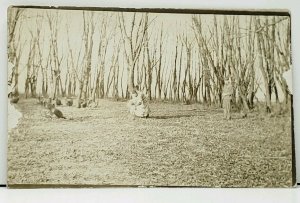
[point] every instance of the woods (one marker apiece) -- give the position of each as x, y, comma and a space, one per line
106, 54
112, 97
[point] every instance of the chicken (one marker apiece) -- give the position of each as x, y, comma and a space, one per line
57, 112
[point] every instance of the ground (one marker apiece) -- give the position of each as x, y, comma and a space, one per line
179, 145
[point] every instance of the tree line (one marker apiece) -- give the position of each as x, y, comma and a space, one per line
133, 49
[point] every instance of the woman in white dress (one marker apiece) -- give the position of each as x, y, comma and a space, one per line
138, 105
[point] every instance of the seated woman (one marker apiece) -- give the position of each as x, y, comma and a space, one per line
138, 104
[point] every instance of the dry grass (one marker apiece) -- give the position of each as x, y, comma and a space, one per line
179, 145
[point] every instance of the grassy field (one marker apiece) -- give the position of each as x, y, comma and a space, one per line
179, 145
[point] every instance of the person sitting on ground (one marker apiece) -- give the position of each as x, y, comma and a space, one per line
227, 95
138, 104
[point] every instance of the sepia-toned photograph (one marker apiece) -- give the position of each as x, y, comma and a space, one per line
102, 97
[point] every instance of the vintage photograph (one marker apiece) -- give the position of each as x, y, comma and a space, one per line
101, 97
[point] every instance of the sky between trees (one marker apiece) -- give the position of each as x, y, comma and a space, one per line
174, 56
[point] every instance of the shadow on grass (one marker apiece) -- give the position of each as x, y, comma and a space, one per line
173, 116
238, 118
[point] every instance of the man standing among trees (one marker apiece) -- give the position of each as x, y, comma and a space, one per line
227, 94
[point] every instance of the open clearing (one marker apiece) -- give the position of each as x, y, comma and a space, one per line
179, 145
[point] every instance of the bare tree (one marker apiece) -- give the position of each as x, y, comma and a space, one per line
14, 16
73, 67
174, 79
283, 54
238, 64
159, 80
14, 46
15, 71
113, 72
105, 36
55, 58
205, 58
30, 68
264, 61
133, 41
88, 32
151, 62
